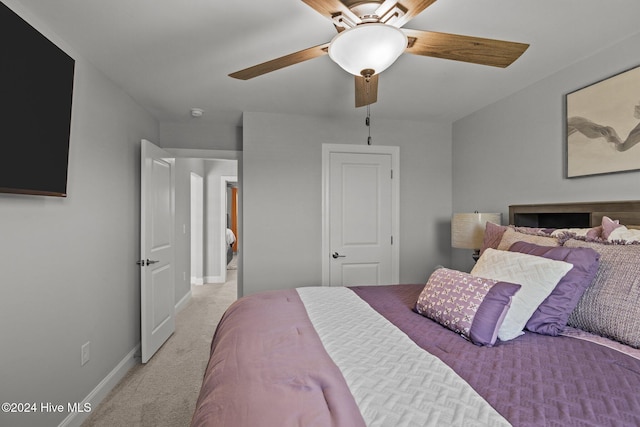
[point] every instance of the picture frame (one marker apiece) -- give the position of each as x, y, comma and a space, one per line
603, 126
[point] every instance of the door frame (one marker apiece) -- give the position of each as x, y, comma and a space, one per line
197, 229
394, 152
224, 180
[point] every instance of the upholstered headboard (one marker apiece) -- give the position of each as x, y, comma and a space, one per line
575, 215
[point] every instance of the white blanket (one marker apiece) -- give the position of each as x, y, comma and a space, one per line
394, 382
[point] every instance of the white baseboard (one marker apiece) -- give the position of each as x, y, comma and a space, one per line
96, 396
214, 279
197, 281
183, 302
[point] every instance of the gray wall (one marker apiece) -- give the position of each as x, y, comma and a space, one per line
196, 134
281, 195
67, 265
514, 151
182, 231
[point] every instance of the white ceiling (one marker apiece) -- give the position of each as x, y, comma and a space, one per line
171, 55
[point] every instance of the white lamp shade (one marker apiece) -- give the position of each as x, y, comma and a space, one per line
368, 46
467, 229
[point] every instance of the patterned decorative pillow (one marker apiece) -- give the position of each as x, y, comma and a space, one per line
470, 306
511, 236
550, 318
493, 234
538, 276
592, 233
610, 307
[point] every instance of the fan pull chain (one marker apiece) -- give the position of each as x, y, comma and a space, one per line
368, 123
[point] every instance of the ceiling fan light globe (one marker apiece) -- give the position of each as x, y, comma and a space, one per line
368, 46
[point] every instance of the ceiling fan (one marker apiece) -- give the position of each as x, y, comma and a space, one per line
370, 39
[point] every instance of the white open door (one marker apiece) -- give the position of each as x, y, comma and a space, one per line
157, 248
361, 216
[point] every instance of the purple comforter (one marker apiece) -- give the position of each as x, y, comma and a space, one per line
268, 368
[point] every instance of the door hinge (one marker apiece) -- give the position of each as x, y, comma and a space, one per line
391, 173
392, 240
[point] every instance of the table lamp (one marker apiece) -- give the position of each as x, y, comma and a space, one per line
467, 230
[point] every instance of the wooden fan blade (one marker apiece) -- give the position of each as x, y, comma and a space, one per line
283, 61
411, 9
330, 8
497, 53
366, 91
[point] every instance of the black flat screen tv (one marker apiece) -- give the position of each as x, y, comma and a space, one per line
36, 92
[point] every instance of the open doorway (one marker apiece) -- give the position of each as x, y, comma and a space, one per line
229, 223
211, 215
207, 229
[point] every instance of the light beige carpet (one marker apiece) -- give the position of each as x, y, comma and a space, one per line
164, 391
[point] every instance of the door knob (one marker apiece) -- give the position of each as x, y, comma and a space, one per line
336, 255
150, 261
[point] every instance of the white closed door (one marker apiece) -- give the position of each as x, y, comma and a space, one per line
360, 219
157, 277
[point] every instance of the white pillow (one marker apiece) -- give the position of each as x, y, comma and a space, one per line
624, 233
582, 232
538, 277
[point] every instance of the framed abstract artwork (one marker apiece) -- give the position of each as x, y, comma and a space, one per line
603, 126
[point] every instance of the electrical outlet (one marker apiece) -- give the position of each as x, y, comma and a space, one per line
84, 353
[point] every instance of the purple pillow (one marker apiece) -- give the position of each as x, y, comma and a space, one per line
550, 318
492, 236
471, 306
608, 225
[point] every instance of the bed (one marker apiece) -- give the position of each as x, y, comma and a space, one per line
554, 342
